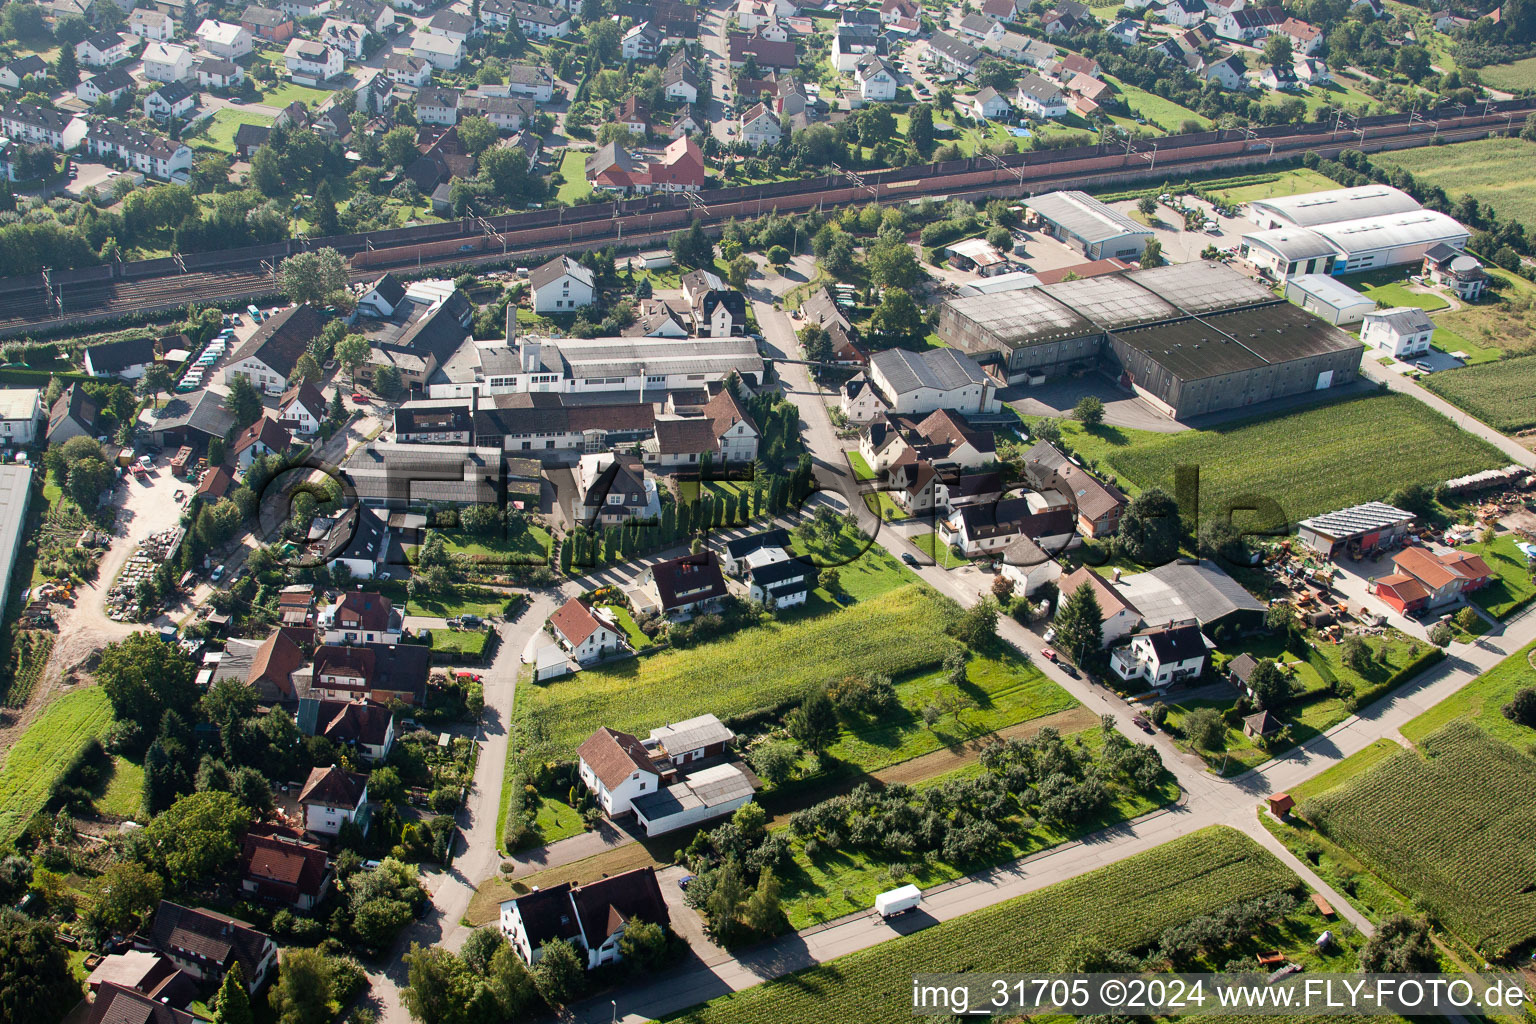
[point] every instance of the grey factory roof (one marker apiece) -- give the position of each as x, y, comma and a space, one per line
1084, 216
1357, 519
941, 368
1022, 316
1201, 286
612, 357
1180, 591
1414, 227
1339, 204
1292, 243
1111, 301
1221, 343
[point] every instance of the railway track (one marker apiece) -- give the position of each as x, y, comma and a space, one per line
94, 293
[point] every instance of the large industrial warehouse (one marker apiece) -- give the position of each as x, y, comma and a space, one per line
1089, 226
1190, 338
1343, 231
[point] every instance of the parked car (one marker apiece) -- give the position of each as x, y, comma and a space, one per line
1050, 653
217, 574
907, 557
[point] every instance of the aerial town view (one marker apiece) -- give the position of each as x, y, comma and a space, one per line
734, 512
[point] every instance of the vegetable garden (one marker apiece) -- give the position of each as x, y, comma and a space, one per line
1449, 824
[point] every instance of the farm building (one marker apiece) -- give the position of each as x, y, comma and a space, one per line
1362, 528
1329, 207
1328, 298
1191, 338
1191, 592
1091, 227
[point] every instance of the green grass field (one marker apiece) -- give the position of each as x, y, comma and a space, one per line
1166, 114
285, 93
1480, 700
573, 168
1285, 183
1395, 294
897, 633
638, 640
1502, 394
45, 750
930, 545
864, 568
218, 131
468, 642
124, 792
1499, 172
1449, 824
1386, 441
1513, 586
532, 546
1123, 906
861, 468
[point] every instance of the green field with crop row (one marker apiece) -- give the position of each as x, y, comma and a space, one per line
1313, 460
1123, 906
1498, 172
1501, 394
1449, 823
45, 750
895, 633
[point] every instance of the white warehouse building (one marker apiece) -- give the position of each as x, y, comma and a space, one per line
1311, 209
1352, 246
1329, 298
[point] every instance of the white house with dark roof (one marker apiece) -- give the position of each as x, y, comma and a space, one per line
172, 100
104, 85
268, 357
876, 79
408, 69
22, 71
560, 286
333, 798
1162, 657
104, 50
1402, 331
312, 62
592, 917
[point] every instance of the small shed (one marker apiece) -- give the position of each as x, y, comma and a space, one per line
656, 259
1261, 724
1280, 804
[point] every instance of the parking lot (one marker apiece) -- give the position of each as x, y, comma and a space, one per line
1181, 246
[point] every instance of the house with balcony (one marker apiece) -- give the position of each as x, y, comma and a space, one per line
1162, 657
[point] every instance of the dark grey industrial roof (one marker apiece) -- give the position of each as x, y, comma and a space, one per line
1111, 301
1201, 286
942, 368
1220, 343
1023, 316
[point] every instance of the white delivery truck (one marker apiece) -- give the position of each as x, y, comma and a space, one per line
898, 901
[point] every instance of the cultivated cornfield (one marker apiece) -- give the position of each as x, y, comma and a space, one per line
1501, 394
1450, 825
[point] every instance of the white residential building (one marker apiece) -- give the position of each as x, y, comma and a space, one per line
153, 25
224, 39
759, 127
21, 414
442, 52
1401, 332
1162, 657
876, 80
560, 286
155, 155
311, 62
104, 50
167, 62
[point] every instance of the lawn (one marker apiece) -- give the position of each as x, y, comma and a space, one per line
862, 470
1513, 588
573, 169
124, 792
1294, 459
930, 545
1449, 824
285, 93
1502, 394
1497, 172
1166, 114
469, 642
1007, 690
45, 750
463, 600
529, 547
897, 633
864, 569
638, 640
1122, 906
218, 131
1480, 700
1285, 183
1396, 294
